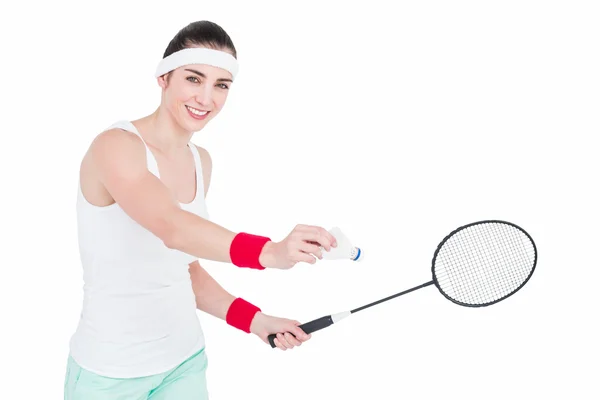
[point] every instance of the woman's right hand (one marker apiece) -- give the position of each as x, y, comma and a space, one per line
303, 244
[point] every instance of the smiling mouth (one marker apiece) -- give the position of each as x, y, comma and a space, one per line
197, 114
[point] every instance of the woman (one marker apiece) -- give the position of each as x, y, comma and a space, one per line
143, 225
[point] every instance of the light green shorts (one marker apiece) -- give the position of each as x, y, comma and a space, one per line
186, 381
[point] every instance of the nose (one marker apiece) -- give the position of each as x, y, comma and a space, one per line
204, 95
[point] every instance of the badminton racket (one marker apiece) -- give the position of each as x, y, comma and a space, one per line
476, 265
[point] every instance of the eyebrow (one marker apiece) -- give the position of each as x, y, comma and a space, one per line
204, 76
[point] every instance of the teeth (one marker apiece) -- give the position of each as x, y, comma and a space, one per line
196, 112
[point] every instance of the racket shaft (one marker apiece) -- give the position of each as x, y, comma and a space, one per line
308, 327
328, 320
392, 297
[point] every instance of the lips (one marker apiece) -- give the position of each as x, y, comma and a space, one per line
196, 113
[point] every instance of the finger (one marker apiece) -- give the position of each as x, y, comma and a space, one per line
287, 337
299, 333
304, 257
320, 236
291, 339
283, 341
319, 230
330, 237
278, 344
312, 249
297, 338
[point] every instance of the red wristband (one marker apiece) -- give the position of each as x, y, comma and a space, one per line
240, 314
245, 250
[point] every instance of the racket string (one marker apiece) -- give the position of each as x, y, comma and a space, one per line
484, 258
468, 288
484, 262
517, 252
525, 253
495, 291
470, 291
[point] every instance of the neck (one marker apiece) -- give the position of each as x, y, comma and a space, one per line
162, 132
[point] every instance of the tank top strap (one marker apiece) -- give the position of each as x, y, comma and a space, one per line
199, 175
151, 160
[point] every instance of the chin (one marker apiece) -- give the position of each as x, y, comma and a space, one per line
197, 125
192, 125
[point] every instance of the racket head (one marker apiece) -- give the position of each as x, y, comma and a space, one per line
483, 263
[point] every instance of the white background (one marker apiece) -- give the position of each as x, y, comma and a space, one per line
396, 121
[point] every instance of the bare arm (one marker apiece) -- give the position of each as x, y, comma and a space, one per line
119, 161
210, 296
214, 300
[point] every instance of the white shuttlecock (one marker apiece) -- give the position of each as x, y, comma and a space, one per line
345, 250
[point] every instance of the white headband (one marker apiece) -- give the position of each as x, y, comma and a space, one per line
198, 55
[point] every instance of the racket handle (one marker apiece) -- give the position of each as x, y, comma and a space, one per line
308, 327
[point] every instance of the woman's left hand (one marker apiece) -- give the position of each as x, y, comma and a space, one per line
263, 325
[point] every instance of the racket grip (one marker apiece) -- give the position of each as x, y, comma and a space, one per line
308, 327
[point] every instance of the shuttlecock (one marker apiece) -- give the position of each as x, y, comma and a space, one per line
345, 250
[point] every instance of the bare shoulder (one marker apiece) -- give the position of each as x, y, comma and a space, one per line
116, 139
113, 154
206, 160
117, 147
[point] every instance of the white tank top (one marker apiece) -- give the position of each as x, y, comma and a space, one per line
139, 310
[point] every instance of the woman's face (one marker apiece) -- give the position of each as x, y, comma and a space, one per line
194, 94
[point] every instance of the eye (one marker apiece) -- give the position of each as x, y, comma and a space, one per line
223, 86
193, 79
